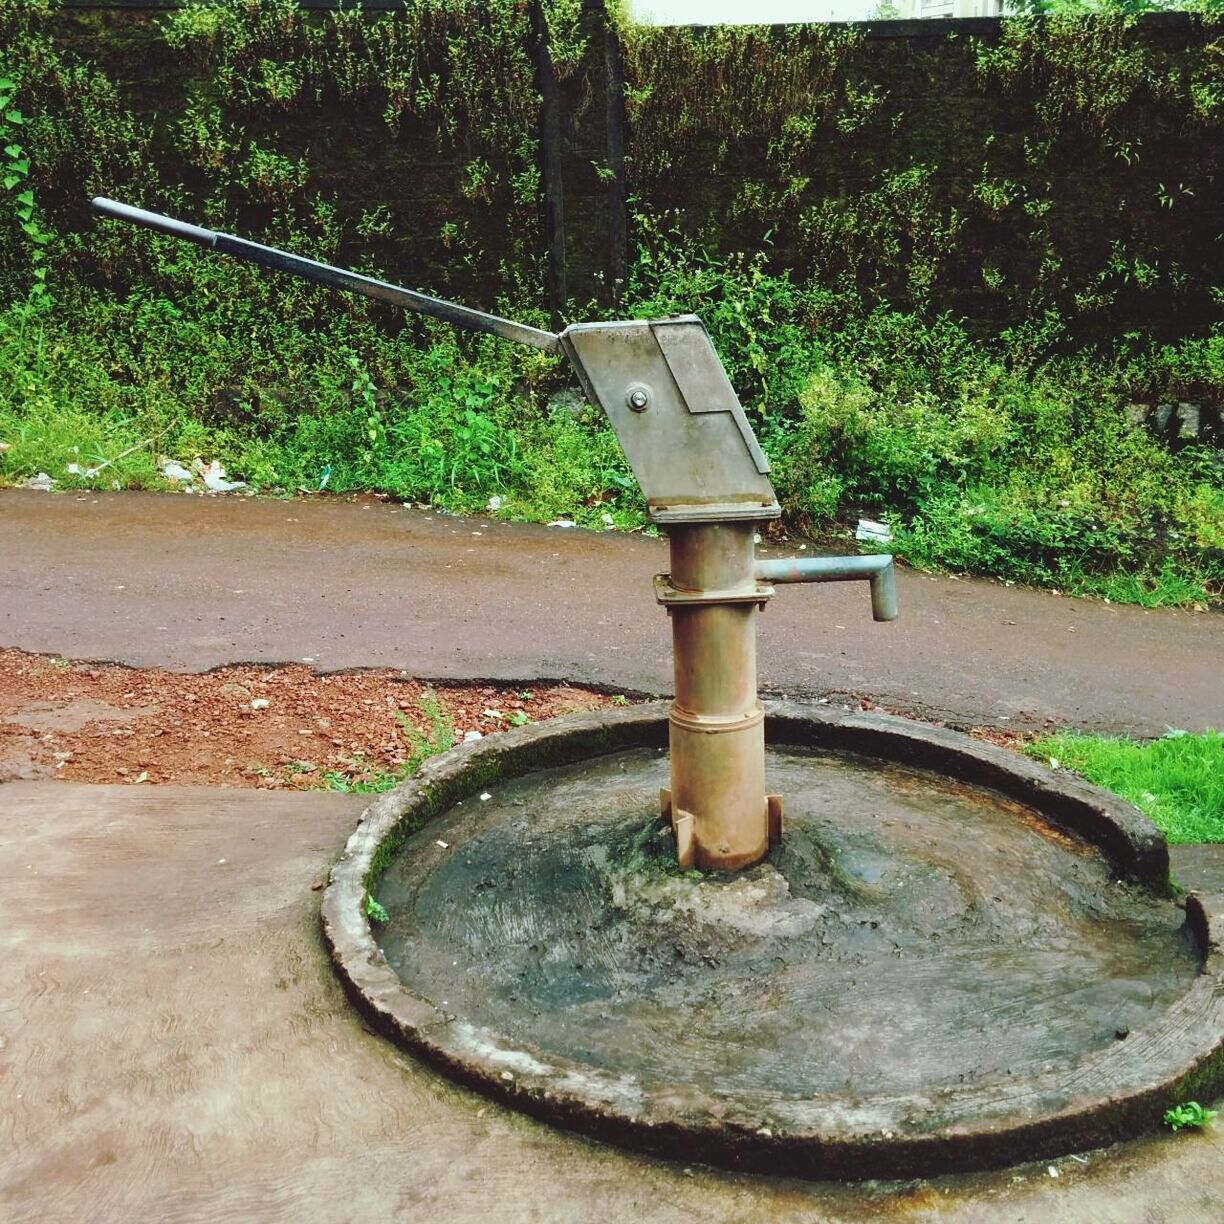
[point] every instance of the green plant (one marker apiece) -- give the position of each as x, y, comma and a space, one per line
361, 777
1178, 780
438, 735
365, 777
15, 175
374, 911
1188, 1115
518, 718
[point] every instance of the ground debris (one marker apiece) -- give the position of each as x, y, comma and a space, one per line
155, 726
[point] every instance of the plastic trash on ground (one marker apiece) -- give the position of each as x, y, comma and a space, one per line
876, 533
215, 479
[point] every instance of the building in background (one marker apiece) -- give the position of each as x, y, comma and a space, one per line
737, 12
949, 8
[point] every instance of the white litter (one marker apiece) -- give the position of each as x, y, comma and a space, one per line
495, 503
42, 482
176, 471
563, 523
485, 796
607, 520
470, 737
75, 469
216, 482
260, 703
442, 844
869, 529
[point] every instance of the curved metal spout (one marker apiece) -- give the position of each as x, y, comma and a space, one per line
877, 570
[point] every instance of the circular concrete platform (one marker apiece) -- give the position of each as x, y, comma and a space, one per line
955, 959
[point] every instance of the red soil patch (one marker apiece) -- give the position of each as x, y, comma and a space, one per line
92, 722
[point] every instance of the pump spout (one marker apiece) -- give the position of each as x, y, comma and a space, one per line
877, 570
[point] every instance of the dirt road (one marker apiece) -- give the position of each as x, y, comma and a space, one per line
173, 1043
193, 583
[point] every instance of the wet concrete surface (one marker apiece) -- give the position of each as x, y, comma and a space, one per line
192, 583
1198, 867
911, 935
174, 1047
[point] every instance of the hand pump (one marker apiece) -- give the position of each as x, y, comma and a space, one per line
706, 481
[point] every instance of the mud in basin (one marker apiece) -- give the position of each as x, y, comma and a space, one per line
929, 973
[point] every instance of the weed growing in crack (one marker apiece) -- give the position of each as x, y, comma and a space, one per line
1190, 1115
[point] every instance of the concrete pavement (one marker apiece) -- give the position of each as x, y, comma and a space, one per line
174, 1047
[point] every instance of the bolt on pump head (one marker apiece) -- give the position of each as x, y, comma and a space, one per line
706, 481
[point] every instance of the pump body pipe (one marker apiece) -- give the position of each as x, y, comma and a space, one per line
337, 278
878, 570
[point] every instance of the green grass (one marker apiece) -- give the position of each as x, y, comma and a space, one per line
1178, 781
1000, 456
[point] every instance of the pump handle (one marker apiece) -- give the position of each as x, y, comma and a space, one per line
326, 274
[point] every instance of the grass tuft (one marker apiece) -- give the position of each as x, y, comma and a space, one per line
1178, 780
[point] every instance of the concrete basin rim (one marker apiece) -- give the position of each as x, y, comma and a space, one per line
1123, 1088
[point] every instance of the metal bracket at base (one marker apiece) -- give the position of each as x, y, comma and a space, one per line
773, 813
682, 826
682, 829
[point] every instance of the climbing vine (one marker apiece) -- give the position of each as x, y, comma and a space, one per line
405, 139
1068, 165
15, 174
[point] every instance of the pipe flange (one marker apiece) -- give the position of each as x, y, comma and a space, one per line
672, 596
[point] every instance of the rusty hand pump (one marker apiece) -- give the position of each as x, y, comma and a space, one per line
706, 481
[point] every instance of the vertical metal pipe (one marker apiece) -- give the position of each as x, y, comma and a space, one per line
716, 724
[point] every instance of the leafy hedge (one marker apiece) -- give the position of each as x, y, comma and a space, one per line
941, 270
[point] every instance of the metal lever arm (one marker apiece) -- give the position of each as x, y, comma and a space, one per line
877, 570
339, 278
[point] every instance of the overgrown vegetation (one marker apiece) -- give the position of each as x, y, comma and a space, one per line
1178, 781
932, 322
